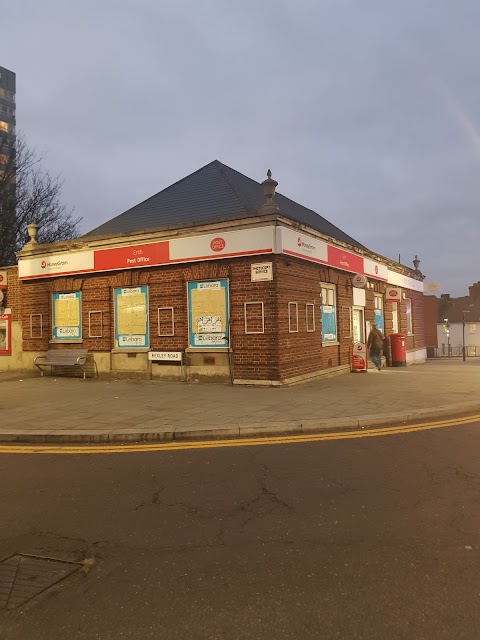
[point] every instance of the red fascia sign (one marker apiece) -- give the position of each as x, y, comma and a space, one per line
344, 260
132, 257
359, 357
5, 334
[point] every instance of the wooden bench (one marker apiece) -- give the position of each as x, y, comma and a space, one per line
72, 359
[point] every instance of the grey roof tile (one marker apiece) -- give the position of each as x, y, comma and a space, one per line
214, 192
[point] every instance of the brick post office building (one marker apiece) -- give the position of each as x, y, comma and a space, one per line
246, 284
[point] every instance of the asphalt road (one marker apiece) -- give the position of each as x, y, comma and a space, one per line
376, 538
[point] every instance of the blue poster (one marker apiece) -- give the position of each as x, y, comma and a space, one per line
208, 313
379, 319
67, 316
329, 323
131, 317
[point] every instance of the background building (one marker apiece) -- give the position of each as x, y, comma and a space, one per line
7, 112
458, 323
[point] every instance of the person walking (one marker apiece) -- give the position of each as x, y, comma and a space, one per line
375, 346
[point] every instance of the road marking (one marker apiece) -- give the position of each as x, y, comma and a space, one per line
237, 442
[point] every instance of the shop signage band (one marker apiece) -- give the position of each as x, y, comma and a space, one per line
244, 242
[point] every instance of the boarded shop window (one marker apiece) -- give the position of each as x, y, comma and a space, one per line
310, 317
254, 317
408, 309
208, 313
36, 325
329, 313
66, 315
378, 311
292, 317
131, 317
346, 320
95, 324
166, 322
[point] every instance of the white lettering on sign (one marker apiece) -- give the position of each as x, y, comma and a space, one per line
132, 341
175, 356
209, 339
208, 285
261, 272
68, 332
133, 291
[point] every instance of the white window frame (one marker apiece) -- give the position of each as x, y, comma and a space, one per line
395, 323
311, 306
246, 304
345, 334
172, 310
292, 305
408, 313
90, 335
36, 315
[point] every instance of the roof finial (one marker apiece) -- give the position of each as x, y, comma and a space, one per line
269, 185
416, 263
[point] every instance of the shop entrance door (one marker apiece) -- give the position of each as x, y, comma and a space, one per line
358, 323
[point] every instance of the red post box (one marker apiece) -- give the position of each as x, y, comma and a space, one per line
399, 350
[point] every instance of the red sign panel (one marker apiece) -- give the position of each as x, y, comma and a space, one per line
133, 257
359, 357
344, 260
217, 244
5, 334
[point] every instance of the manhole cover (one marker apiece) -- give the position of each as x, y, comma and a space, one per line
23, 577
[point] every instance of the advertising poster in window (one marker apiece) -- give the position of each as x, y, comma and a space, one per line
379, 319
5, 334
131, 317
208, 313
329, 323
67, 316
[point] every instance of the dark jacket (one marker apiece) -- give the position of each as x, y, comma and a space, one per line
375, 339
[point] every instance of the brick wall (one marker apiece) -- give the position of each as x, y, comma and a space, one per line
276, 354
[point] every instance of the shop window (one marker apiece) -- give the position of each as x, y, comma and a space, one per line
408, 311
472, 328
95, 324
131, 317
254, 317
293, 317
208, 313
166, 321
36, 325
66, 316
378, 311
329, 313
310, 317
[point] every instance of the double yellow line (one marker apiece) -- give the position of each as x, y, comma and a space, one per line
237, 442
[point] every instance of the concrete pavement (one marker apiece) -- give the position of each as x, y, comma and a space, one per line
34, 409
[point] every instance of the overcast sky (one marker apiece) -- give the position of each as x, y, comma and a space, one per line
367, 111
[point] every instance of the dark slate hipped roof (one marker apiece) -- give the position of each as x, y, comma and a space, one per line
213, 193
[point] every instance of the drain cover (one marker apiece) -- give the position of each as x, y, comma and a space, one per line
23, 577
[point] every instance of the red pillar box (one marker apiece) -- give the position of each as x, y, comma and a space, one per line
399, 350
5, 334
359, 357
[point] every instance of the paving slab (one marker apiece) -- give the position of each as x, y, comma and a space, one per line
34, 409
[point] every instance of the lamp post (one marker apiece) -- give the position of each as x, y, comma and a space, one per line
447, 331
463, 333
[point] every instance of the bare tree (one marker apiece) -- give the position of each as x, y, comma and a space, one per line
29, 194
